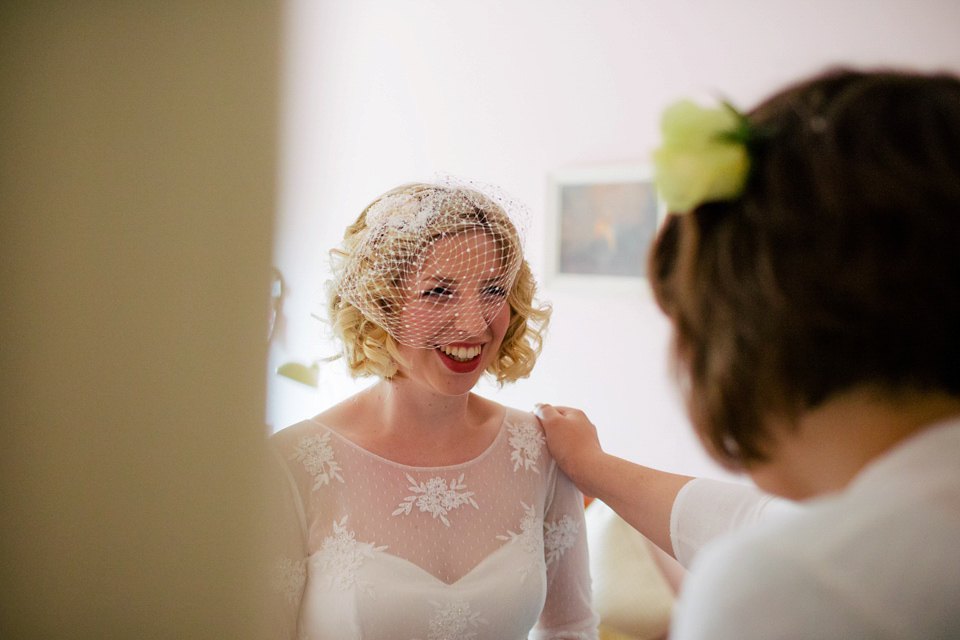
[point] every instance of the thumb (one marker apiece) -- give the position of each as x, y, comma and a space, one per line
544, 411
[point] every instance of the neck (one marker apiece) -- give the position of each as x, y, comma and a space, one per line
407, 425
831, 444
408, 410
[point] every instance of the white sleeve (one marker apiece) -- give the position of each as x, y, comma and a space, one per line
568, 612
752, 589
706, 509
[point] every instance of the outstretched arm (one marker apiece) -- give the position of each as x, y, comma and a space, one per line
642, 496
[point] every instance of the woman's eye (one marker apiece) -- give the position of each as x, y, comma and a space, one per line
495, 291
437, 292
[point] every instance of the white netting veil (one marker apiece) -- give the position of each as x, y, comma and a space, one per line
433, 263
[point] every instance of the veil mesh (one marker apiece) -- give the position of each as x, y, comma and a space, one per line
433, 263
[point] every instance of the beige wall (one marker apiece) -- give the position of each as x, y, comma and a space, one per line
137, 176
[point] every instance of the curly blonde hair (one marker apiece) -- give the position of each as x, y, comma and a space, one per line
368, 348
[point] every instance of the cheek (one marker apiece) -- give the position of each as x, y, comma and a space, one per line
501, 321
418, 323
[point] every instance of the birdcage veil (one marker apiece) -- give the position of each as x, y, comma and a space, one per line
433, 263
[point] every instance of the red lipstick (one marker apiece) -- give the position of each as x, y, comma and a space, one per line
456, 365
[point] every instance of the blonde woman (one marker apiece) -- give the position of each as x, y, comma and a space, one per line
416, 508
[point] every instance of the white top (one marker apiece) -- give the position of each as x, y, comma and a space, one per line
706, 509
379, 550
880, 559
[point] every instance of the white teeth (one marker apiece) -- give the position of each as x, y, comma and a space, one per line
462, 353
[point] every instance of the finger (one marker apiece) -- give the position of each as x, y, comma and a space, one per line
542, 410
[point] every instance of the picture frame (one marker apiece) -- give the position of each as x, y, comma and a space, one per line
601, 222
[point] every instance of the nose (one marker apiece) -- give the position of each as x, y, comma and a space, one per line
470, 317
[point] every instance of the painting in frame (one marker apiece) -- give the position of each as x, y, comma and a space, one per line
600, 224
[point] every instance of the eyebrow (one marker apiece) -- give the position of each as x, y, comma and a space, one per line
440, 280
450, 281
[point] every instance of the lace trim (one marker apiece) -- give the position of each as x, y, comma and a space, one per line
341, 556
530, 540
288, 578
527, 442
558, 537
435, 497
454, 621
316, 454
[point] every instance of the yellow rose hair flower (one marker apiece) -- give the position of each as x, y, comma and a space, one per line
703, 157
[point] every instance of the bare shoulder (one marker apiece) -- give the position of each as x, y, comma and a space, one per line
497, 416
513, 415
488, 413
342, 418
349, 417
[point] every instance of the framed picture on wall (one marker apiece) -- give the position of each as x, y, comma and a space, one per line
600, 223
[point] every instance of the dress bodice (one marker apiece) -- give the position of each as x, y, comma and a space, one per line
488, 548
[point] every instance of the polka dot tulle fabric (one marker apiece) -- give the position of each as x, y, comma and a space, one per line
491, 548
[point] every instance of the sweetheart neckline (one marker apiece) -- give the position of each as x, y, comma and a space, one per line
486, 560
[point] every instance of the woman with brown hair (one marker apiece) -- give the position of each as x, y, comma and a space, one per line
810, 268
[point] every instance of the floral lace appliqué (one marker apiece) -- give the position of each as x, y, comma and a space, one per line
436, 497
288, 578
316, 454
530, 540
453, 621
527, 441
558, 537
341, 556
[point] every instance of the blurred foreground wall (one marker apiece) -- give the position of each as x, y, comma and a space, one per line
137, 179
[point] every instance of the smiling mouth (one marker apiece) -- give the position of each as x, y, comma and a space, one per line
462, 354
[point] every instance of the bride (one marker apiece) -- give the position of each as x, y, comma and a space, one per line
417, 509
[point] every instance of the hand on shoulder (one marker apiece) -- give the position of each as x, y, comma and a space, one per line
571, 438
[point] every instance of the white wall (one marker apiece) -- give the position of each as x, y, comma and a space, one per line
506, 91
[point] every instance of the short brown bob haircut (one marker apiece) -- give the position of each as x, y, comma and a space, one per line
370, 350
838, 268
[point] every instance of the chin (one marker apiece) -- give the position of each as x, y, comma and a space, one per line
465, 385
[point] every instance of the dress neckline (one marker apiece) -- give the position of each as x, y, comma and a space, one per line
483, 454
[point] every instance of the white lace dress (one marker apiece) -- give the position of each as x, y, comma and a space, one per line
493, 548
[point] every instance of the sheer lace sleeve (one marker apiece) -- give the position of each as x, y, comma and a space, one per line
288, 560
568, 613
